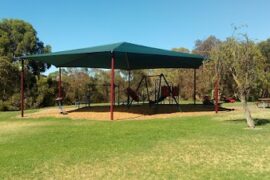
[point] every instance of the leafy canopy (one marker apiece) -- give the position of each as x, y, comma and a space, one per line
19, 38
243, 60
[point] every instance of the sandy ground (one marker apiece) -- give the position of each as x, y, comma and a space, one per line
125, 113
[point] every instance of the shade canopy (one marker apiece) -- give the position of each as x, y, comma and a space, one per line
127, 56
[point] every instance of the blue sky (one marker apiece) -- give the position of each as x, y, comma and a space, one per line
69, 24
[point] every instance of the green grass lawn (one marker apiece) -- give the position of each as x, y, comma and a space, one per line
201, 147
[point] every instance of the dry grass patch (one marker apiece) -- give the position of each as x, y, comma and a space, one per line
238, 114
11, 127
185, 159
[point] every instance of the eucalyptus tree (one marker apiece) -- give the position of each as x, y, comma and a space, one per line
242, 59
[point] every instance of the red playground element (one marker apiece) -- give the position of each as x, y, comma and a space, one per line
132, 94
175, 91
229, 100
165, 91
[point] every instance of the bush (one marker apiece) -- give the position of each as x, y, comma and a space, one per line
3, 106
13, 104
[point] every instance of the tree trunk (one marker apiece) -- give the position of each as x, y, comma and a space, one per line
250, 121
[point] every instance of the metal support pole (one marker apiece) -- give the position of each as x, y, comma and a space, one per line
112, 87
22, 89
60, 84
194, 87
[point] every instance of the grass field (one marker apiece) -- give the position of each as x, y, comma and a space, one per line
201, 147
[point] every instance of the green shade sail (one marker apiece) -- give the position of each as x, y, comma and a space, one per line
128, 56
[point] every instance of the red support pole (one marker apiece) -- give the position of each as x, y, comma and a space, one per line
60, 84
216, 94
22, 89
112, 87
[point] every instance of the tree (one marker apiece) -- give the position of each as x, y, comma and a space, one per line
265, 50
205, 82
244, 61
9, 74
181, 49
204, 47
18, 38
45, 92
76, 88
182, 77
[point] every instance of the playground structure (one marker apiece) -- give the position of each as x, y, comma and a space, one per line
161, 91
124, 56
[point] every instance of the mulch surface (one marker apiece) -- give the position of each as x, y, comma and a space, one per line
127, 113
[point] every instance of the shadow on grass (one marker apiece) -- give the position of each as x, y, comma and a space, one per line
261, 122
258, 122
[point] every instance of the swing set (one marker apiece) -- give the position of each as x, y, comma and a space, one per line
162, 90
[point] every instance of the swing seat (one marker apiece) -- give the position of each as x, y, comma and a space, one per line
133, 94
165, 91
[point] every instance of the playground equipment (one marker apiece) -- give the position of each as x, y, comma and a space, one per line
59, 101
162, 90
124, 56
229, 99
